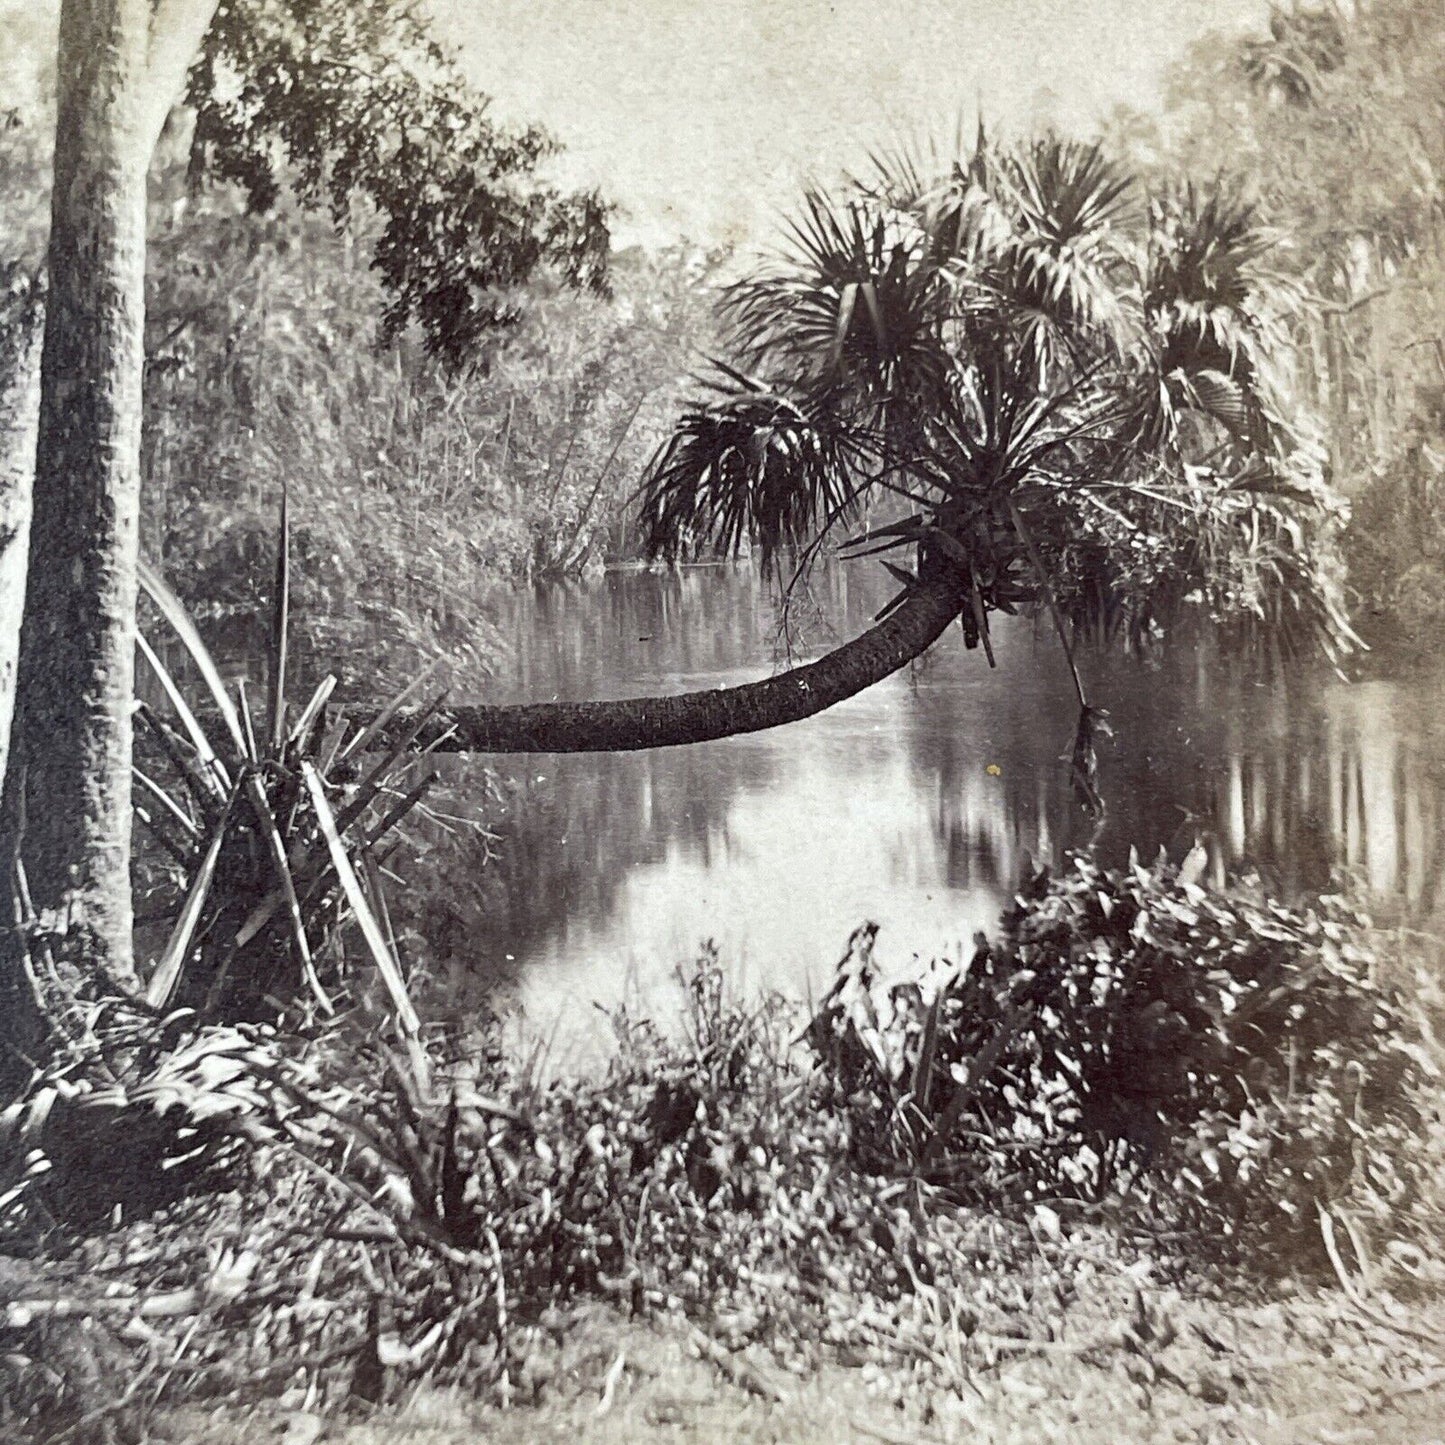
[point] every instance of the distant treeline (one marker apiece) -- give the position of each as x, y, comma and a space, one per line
413, 480
1335, 117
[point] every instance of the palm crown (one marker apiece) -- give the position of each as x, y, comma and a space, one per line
1023, 374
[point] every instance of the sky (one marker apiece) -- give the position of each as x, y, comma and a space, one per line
704, 119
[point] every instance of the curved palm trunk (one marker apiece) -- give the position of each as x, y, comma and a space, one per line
696, 717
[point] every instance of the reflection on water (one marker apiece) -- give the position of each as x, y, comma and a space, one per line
916, 803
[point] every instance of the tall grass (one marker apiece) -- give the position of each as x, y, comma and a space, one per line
414, 489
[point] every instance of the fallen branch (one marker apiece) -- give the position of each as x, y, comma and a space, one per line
889, 1437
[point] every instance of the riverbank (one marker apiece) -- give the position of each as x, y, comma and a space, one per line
1154, 1160
1144, 1349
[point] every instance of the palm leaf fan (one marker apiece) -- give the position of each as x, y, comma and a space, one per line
752, 464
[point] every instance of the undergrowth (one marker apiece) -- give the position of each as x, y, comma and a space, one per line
1237, 1065
922, 1170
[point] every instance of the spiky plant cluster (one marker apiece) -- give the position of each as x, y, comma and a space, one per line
272, 823
270, 829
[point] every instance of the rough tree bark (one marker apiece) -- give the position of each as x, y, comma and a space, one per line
20, 332
67, 813
695, 717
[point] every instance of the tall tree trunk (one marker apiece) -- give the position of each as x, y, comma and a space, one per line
70, 816
695, 717
20, 333
67, 812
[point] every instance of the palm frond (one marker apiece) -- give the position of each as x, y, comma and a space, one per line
996, 330
178, 948
855, 300
1210, 364
278, 643
1069, 193
1049, 260
255, 891
752, 464
180, 623
386, 964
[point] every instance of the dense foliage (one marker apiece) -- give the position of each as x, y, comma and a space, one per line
326, 293
1332, 118
765, 1191
1233, 1059
362, 103
1065, 398
415, 488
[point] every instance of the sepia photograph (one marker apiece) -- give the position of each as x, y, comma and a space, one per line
722, 722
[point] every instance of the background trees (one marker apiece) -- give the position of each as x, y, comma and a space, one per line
1014, 345
415, 487
1334, 118
360, 105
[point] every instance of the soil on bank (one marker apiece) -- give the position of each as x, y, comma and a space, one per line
1311, 1370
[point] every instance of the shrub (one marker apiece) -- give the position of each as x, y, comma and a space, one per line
1234, 1061
469, 1216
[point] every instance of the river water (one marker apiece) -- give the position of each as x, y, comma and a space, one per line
916, 804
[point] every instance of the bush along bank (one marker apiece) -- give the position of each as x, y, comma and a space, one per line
933, 1178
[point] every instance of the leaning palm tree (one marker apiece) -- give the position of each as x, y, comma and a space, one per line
1021, 388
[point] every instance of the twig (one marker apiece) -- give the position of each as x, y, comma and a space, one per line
174, 1304
1429, 1381
496, 1249
736, 1368
609, 1383
1357, 1244
1361, 1304
1327, 1233
641, 1217
1110, 1339
889, 1437
179, 1355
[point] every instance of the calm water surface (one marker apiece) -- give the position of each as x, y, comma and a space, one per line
916, 803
